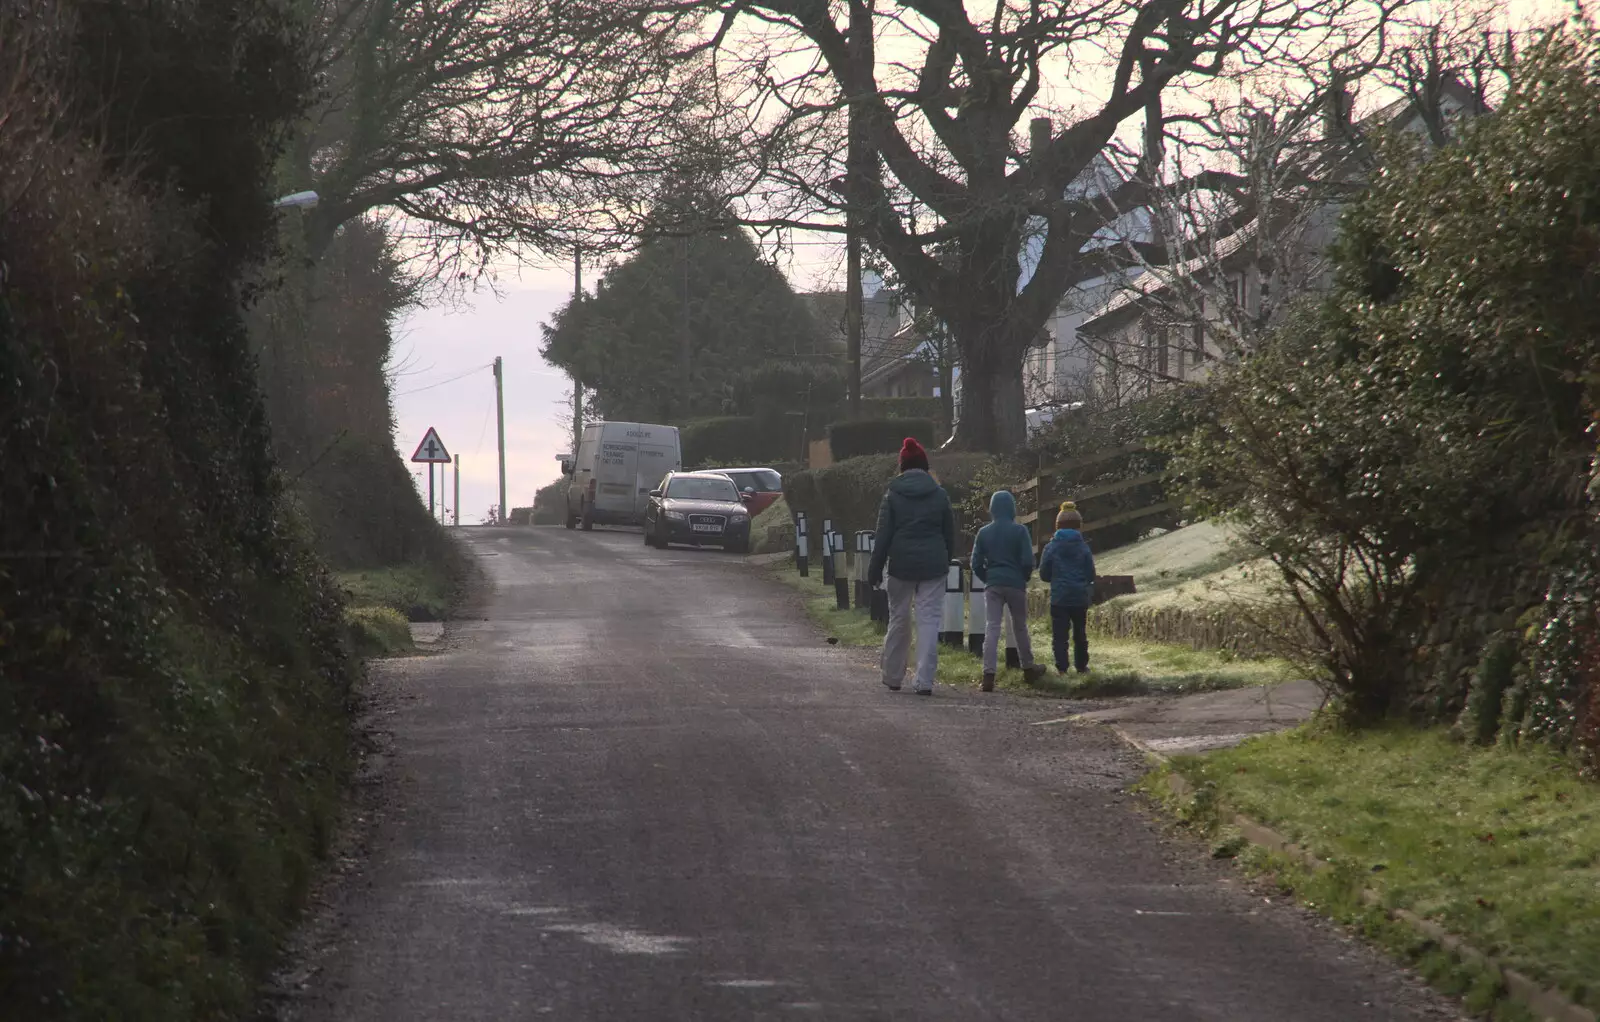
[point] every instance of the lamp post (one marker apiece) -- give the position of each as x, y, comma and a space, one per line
297, 200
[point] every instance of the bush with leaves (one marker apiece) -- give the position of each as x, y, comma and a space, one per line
850, 491
174, 682
1412, 452
854, 438
740, 440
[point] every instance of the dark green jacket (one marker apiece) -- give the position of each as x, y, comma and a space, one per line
916, 530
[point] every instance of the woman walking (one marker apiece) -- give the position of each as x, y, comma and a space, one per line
916, 538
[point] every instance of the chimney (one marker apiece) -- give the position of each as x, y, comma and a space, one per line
1039, 131
1337, 107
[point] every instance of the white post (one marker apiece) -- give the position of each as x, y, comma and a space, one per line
1008, 637
827, 551
802, 544
841, 578
951, 631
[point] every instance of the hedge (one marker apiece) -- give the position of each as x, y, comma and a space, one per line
854, 438
549, 503
850, 491
930, 408
1249, 631
741, 439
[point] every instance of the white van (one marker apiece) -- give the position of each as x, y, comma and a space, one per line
616, 466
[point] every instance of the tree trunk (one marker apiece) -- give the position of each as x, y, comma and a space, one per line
992, 404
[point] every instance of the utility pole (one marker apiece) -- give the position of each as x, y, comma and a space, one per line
860, 57
683, 329
577, 388
457, 522
500, 424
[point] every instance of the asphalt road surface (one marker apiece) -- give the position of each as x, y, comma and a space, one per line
643, 787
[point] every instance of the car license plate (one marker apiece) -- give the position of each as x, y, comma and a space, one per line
706, 528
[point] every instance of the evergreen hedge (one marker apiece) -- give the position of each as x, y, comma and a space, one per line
741, 440
855, 438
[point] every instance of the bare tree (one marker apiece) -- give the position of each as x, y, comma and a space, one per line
937, 95
486, 125
1234, 261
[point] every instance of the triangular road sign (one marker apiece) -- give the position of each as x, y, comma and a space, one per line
431, 449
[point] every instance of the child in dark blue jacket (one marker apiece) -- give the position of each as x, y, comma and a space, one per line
1068, 566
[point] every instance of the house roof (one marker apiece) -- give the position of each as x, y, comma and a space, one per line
895, 351
1401, 114
1098, 180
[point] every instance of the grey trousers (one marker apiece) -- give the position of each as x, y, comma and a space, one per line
996, 601
927, 600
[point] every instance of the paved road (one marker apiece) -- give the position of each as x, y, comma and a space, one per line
642, 788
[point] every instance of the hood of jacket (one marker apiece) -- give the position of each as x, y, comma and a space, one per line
1003, 506
914, 483
1069, 536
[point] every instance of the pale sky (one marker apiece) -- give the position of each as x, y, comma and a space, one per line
443, 348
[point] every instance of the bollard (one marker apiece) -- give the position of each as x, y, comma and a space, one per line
841, 578
800, 543
863, 595
951, 631
826, 550
1007, 626
977, 616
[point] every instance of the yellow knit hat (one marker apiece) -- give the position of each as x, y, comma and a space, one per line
1068, 517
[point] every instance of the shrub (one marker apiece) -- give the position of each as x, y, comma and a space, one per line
854, 438
849, 492
785, 385
1412, 452
550, 502
364, 510
377, 631
174, 683
1489, 684
929, 408
741, 439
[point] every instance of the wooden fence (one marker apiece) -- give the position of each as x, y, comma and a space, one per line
1045, 489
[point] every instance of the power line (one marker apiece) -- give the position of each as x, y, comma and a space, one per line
441, 383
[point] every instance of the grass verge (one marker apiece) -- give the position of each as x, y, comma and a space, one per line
1119, 667
378, 632
416, 591
1499, 846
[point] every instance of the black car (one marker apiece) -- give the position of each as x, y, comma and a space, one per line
700, 508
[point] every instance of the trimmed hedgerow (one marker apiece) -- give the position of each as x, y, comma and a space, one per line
854, 438
174, 681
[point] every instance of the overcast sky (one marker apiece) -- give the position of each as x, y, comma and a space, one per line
438, 345
443, 387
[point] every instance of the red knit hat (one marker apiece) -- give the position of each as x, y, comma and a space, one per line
912, 455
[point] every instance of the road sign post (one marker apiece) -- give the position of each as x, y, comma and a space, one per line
432, 452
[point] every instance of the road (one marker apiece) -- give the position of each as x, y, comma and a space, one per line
642, 787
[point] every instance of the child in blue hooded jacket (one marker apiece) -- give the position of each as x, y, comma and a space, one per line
1068, 565
1002, 558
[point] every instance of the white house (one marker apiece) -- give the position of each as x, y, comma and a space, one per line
1170, 325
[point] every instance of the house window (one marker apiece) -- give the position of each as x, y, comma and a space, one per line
1197, 351
1160, 339
1240, 292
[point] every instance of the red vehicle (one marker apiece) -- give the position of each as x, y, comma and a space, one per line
761, 485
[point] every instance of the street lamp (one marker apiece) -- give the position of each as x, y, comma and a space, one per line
299, 200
